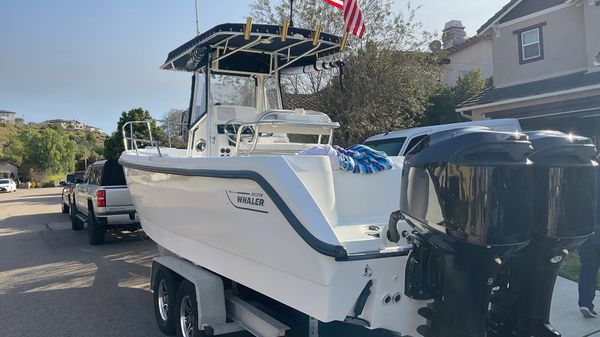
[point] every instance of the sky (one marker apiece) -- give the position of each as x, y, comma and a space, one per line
90, 60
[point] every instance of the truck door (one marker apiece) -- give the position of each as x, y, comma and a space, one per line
81, 191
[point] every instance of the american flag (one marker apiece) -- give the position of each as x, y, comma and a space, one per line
336, 3
353, 17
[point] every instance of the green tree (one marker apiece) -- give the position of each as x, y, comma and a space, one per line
443, 102
387, 78
396, 29
42, 152
14, 150
173, 124
19, 148
469, 85
113, 146
52, 152
90, 147
388, 92
387, 28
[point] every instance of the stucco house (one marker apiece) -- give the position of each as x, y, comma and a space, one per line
465, 54
546, 65
9, 170
7, 117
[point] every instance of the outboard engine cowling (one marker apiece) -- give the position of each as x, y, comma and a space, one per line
564, 216
467, 193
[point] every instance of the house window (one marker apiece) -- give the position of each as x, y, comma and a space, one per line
531, 43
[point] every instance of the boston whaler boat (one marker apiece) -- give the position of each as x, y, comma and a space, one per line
241, 203
240, 212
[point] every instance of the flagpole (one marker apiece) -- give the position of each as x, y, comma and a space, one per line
291, 13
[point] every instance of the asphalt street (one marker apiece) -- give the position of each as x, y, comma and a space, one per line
53, 283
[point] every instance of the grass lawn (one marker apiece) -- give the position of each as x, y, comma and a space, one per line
570, 268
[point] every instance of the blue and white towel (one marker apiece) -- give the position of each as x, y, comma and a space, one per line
356, 159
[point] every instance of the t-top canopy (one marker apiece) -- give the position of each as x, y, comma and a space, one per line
261, 50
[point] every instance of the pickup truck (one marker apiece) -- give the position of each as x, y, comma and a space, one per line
72, 179
102, 200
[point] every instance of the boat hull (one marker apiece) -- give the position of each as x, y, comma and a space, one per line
236, 227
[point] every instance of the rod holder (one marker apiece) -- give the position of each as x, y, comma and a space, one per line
317, 35
248, 28
344, 41
285, 25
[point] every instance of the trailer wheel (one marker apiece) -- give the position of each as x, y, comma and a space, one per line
76, 223
187, 311
96, 230
164, 293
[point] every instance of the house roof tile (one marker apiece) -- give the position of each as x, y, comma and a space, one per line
3, 162
555, 84
468, 42
503, 11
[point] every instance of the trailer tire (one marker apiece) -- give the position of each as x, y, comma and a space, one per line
76, 223
96, 230
187, 311
164, 296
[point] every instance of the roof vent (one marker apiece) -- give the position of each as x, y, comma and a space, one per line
454, 34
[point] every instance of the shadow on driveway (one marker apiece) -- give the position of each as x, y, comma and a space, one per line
53, 283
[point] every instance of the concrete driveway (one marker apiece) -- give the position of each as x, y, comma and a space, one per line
52, 283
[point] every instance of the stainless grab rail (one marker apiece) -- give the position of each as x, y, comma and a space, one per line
255, 126
133, 141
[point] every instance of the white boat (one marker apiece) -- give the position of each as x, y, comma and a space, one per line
240, 201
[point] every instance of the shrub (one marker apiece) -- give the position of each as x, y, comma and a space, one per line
51, 183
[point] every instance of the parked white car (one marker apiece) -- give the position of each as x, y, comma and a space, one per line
8, 185
398, 143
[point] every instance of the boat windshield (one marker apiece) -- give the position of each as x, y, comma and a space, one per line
272, 94
233, 90
199, 107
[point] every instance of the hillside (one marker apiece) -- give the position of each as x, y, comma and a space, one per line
6, 132
46, 152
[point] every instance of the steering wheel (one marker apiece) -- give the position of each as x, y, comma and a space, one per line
235, 125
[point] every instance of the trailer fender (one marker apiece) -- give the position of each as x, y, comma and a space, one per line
210, 294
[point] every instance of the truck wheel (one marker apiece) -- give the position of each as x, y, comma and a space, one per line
187, 311
76, 223
65, 208
96, 230
164, 293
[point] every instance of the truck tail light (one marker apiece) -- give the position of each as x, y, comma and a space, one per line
101, 198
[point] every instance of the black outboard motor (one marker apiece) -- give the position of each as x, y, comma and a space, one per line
467, 193
564, 216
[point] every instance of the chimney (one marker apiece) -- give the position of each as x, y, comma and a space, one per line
454, 34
